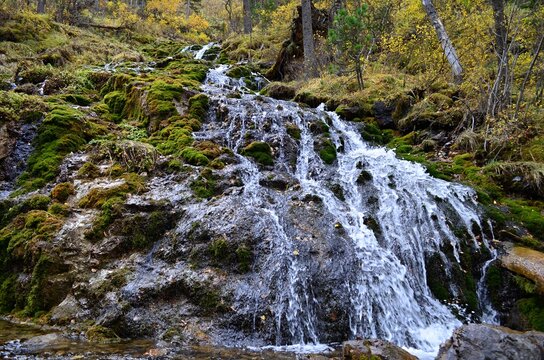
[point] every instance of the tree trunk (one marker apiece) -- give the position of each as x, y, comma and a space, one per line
500, 93
187, 9
310, 61
41, 7
248, 28
445, 41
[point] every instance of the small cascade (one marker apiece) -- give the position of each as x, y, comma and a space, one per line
391, 218
14, 164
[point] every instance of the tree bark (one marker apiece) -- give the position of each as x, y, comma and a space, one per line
248, 27
500, 93
310, 61
41, 7
447, 46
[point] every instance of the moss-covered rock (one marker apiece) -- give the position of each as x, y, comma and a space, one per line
260, 151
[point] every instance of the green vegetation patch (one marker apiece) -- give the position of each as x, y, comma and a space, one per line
260, 152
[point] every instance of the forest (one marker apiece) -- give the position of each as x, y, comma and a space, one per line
215, 162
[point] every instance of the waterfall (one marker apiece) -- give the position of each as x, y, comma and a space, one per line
386, 227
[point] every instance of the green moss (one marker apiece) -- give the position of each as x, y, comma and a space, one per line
63, 131
101, 334
327, 152
88, 170
36, 202
218, 249
239, 71
76, 99
373, 133
116, 101
260, 151
204, 186
194, 157
529, 214
198, 106
110, 210
58, 209
294, 131
244, 257
145, 229
61, 192
533, 310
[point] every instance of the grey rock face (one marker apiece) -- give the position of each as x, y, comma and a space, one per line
481, 342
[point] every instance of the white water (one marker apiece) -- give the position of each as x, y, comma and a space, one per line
387, 285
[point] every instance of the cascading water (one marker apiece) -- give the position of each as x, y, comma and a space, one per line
386, 227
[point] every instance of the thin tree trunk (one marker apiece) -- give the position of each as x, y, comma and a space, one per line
528, 75
41, 7
248, 27
310, 61
445, 41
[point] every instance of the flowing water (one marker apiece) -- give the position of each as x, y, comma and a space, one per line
399, 217
340, 250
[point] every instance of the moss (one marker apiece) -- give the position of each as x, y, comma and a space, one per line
204, 186
59, 209
328, 152
36, 202
373, 133
145, 229
116, 101
88, 170
244, 257
533, 311
260, 151
194, 157
219, 249
61, 192
529, 214
198, 106
101, 334
294, 131
97, 197
63, 131
76, 99
239, 71
110, 210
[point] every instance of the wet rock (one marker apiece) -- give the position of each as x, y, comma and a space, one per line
374, 349
383, 113
527, 263
68, 310
29, 89
44, 342
353, 112
279, 91
482, 341
276, 181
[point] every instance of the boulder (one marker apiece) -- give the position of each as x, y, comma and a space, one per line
279, 91
526, 262
482, 341
374, 349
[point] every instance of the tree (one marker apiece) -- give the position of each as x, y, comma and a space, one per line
310, 61
351, 35
41, 7
447, 46
248, 27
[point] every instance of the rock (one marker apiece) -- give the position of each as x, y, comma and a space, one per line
279, 91
43, 342
352, 112
383, 113
374, 349
66, 311
527, 263
482, 341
